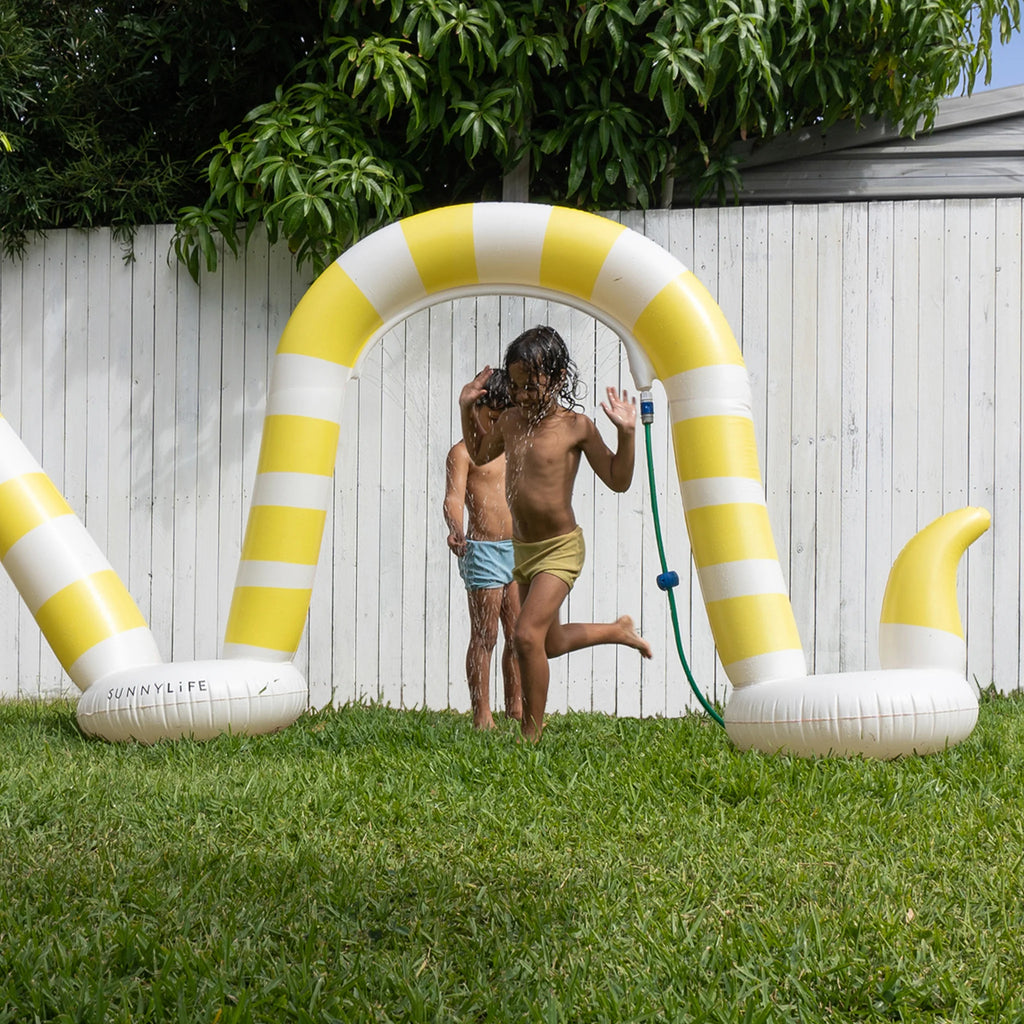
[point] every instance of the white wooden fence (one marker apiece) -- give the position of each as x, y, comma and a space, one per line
883, 341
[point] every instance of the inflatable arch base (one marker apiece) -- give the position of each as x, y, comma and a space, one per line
883, 714
193, 700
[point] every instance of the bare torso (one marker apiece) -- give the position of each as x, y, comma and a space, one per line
487, 515
546, 454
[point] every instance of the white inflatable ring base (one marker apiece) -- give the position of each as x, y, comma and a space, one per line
198, 699
885, 714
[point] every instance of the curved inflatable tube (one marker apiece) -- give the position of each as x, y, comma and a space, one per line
673, 331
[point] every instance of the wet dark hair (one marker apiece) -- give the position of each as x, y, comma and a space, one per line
497, 394
542, 350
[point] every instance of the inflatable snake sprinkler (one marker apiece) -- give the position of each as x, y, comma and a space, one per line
673, 331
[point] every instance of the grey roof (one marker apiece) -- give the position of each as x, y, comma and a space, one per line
975, 148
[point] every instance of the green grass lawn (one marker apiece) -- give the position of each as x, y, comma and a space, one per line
379, 865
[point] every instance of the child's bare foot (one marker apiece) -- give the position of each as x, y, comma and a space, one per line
631, 638
531, 731
484, 723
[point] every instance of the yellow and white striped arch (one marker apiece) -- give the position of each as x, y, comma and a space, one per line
673, 331
83, 609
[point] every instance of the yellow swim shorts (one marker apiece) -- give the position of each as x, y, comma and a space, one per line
560, 556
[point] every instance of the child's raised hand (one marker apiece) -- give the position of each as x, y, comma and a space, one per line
474, 390
620, 409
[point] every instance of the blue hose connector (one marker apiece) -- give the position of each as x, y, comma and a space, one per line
668, 580
646, 407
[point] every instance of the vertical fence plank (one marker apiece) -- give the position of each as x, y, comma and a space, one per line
980, 420
827, 434
956, 349
465, 362
931, 319
15, 337
113, 489
894, 426
422, 522
165, 399
186, 466
395, 546
1006, 498
778, 467
804, 414
208, 354
445, 599
857, 294
143, 323
890, 299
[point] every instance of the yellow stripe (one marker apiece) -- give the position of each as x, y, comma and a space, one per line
267, 617
78, 617
276, 533
26, 502
333, 320
745, 627
441, 245
935, 609
710, 446
298, 444
921, 590
576, 244
730, 533
683, 328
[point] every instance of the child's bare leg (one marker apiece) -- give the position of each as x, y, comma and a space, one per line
484, 609
574, 636
541, 600
509, 661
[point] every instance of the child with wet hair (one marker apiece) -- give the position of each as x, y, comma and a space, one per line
543, 438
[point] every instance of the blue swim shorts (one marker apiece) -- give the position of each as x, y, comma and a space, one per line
487, 564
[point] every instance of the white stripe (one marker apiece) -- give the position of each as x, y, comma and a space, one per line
51, 557
293, 490
128, 650
287, 575
509, 240
721, 490
15, 459
741, 579
722, 390
306, 386
294, 370
318, 403
762, 667
633, 273
901, 645
382, 268
234, 652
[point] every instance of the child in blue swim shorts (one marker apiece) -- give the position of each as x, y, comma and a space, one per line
475, 496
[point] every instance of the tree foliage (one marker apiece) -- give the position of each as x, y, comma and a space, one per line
104, 106
407, 104
321, 119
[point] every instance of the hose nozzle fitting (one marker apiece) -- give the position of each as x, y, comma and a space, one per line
646, 407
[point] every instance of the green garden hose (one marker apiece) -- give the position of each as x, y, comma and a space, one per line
668, 580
